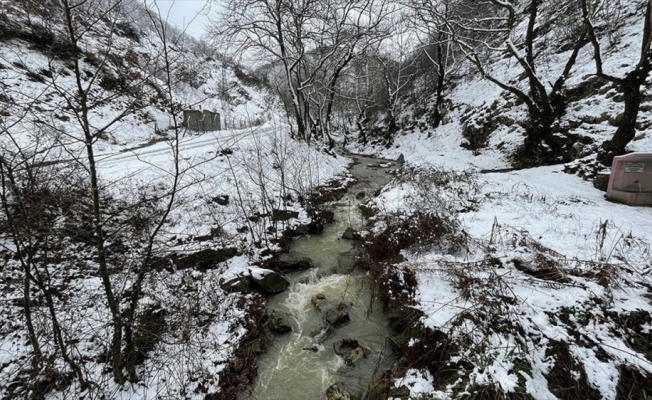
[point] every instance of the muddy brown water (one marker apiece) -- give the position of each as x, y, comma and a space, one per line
288, 370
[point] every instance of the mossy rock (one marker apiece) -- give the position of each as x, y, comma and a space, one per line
601, 181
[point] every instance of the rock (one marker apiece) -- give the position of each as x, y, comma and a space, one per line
238, 284
402, 392
335, 392
303, 229
350, 350
205, 259
222, 200
318, 300
284, 215
350, 234
271, 282
401, 159
259, 346
278, 322
293, 263
335, 316
601, 181
360, 195
354, 356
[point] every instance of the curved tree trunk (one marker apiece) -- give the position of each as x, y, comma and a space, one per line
631, 86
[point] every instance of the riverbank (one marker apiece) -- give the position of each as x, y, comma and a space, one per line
524, 283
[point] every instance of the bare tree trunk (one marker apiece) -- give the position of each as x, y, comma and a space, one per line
630, 84
89, 140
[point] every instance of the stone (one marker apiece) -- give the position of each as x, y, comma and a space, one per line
303, 229
601, 181
318, 300
361, 195
293, 263
259, 346
401, 392
335, 392
278, 322
271, 282
222, 200
284, 215
350, 234
350, 350
207, 259
630, 181
335, 315
238, 284
401, 159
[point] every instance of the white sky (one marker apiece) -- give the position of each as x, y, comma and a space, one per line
185, 13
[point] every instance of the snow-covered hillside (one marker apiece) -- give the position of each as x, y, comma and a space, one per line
538, 287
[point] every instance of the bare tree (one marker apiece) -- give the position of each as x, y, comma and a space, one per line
311, 40
485, 28
630, 84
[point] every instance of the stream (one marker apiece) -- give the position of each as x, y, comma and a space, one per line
302, 364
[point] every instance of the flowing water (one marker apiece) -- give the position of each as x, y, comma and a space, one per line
302, 364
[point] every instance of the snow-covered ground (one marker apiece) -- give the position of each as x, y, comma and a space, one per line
255, 171
546, 259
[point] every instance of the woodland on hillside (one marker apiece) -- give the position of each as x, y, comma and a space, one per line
348, 65
96, 265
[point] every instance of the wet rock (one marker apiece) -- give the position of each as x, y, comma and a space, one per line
238, 284
336, 392
278, 322
259, 346
401, 159
271, 282
205, 259
350, 350
360, 195
293, 263
336, 315
350, 234
284, 215
318, 300
303, 229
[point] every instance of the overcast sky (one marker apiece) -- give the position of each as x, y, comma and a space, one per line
184, 13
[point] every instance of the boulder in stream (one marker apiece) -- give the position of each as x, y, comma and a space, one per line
401, 159
350, 350
332, 314
335, 315
350, 234
318, 300
336, 392
293, 263
269, 281
278, 322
